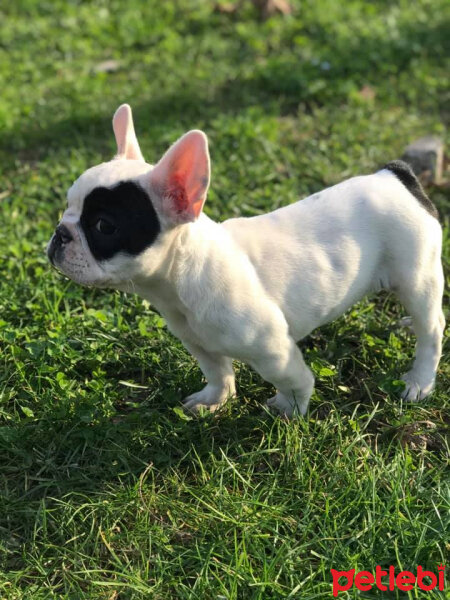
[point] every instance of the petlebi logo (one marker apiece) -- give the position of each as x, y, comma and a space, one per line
388, 579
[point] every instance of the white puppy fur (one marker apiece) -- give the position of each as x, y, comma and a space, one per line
250, 288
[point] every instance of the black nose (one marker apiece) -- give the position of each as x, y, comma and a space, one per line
62, 235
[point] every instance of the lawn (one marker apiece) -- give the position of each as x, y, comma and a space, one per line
107, 489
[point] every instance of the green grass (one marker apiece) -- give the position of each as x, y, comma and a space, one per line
107, 490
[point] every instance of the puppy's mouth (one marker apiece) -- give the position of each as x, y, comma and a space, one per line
73, 265
72, 272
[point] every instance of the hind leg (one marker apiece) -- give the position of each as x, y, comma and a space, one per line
423, 300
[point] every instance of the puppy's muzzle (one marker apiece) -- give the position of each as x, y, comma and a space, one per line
61, 237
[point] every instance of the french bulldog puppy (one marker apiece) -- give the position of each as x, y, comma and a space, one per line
250, 288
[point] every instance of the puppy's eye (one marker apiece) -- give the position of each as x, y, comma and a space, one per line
105, 227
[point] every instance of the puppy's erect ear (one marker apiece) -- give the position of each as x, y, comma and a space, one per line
127, 144
181, 177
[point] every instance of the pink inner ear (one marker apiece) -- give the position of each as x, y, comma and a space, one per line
182, 177
176, 191
120, 126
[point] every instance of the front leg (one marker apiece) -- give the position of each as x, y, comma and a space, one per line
217, 368
219, 374
281, 363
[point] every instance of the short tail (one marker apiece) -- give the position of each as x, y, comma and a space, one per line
405, 174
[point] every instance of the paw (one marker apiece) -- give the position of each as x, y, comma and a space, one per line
416, 388
211, 397
287, 406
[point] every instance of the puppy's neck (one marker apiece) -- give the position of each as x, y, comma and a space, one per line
191, 255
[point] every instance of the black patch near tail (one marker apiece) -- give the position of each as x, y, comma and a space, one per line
405, 174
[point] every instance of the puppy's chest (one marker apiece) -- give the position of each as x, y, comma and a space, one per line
196, 328
195, 325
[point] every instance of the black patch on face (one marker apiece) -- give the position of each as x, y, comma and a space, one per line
119, 219
405, 174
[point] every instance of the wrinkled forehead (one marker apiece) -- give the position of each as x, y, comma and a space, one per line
106, 175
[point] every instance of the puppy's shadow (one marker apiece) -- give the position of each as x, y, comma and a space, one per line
49, 462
